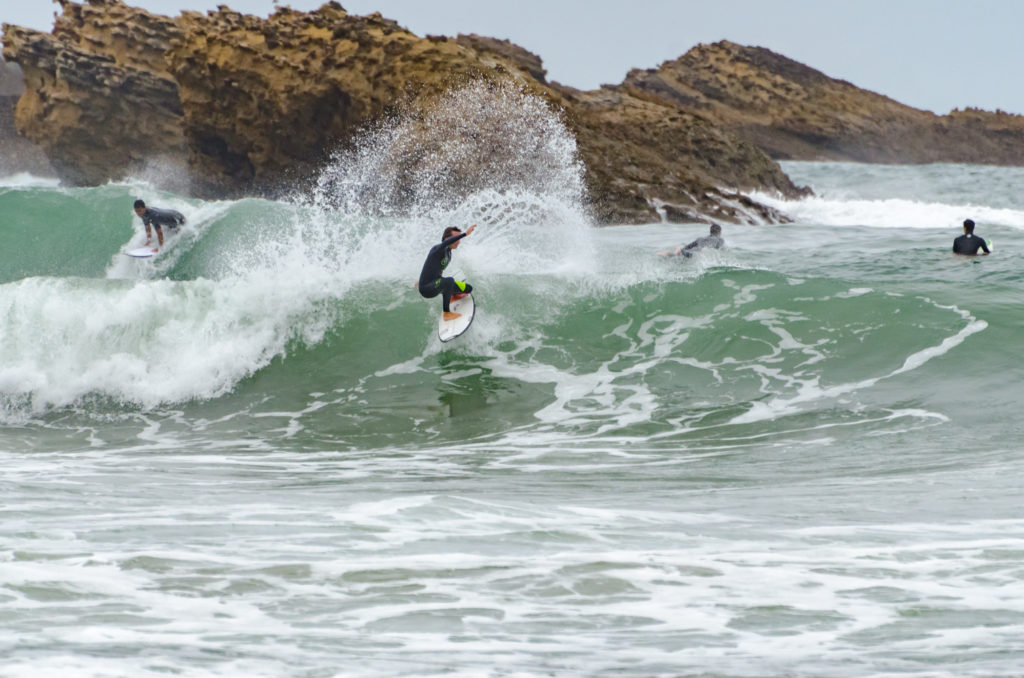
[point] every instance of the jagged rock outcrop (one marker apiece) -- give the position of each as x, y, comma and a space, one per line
649, 153
266, 101
257, 105
98, 98
793, 111
525, 59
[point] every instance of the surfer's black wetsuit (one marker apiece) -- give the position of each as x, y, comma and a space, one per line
969, 243
157, 217
431, 281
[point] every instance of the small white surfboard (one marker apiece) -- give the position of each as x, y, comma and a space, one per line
142, 252
449, 329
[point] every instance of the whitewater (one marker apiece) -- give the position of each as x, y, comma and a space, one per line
252, 456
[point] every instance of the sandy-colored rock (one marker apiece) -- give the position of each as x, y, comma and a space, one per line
525, 59
267, 101
648, 155
98, 99
259, 105
793, 111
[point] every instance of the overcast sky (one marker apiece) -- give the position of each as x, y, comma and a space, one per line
931, 54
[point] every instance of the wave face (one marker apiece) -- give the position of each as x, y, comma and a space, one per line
255, 285
252, 454
249, 281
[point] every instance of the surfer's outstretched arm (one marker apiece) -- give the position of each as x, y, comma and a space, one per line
452, 241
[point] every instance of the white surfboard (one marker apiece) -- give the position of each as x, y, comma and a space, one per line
142, 252
449, 329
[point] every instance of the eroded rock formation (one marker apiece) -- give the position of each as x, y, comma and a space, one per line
257, 105
793, 111
268, 100
99, 99
647, 152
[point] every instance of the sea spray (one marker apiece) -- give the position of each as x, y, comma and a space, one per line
249, 279
487, 153
430, 159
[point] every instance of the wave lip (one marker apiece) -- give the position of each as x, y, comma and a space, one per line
143, 343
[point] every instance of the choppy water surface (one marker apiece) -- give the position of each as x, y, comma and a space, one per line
252, 457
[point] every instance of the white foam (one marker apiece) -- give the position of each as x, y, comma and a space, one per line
809, 390
27, 180
890, 212
146, 342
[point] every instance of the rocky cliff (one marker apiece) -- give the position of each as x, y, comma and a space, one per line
793, 111
253, 105
99, 99
268, 100
647, 152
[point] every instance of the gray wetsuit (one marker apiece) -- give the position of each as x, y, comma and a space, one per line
159, 218
709, 241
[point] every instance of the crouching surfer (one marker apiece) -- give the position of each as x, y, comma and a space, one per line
432, 282
153, 218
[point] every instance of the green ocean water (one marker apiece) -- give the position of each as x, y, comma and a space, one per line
251, 456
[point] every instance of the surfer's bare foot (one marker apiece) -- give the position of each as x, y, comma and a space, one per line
460, 295
448, 315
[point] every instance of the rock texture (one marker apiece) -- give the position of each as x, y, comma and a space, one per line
526, 60
793, 111
98, 98
268, 100
257, 105
650, 154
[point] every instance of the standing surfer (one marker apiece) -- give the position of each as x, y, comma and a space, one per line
432, 283
968, 243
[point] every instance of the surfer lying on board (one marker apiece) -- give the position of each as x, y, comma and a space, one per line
431, 283
713, 240
158, 218
968, 243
